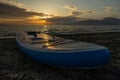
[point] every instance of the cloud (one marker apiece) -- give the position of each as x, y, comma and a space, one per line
12, 11
110, 9
75, 12
72, 8
12, 2
81, 12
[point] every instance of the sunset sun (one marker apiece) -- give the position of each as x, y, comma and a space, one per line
38, 22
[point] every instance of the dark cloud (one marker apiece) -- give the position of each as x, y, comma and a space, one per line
11, 11
76, 13
81, 12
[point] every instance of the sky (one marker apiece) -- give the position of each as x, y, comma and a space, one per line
49, 11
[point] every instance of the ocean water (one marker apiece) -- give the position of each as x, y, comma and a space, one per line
11, 30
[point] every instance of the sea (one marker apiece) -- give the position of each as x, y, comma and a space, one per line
11, 30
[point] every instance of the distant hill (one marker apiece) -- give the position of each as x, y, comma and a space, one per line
75, 21
105, 21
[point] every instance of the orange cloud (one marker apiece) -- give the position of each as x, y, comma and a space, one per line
40, 22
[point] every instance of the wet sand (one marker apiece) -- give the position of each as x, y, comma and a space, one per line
14, 65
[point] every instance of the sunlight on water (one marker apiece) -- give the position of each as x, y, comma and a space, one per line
11, 30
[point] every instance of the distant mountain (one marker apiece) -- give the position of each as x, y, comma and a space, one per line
105, 21
76, 21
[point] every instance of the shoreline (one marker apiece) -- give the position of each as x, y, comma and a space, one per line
17, 66
94, 32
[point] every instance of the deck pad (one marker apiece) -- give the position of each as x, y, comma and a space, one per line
45, 41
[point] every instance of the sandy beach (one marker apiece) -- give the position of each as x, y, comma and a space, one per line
14, 65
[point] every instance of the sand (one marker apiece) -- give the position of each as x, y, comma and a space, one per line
14, 65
